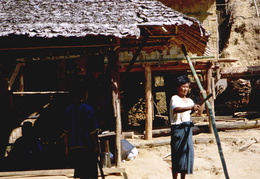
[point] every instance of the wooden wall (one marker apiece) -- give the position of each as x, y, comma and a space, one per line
205, 12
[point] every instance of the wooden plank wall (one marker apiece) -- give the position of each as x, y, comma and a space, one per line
205, 12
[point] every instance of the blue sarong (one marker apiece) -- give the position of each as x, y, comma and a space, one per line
182, 150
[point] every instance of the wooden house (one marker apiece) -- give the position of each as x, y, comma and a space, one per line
46, 45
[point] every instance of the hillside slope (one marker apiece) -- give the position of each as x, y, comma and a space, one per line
243, 42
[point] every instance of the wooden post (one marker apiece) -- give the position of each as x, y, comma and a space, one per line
118, 133
209, 90
149, 103
202, 107
106, 162
256, 8
21, 84
113, 57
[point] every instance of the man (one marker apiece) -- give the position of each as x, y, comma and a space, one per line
182, 150
81, 135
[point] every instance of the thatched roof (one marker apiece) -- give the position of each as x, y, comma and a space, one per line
117, 18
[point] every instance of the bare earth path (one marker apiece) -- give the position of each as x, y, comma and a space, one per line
241, 150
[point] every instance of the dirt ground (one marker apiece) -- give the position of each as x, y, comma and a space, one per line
241, 149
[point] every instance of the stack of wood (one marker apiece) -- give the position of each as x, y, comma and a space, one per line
137, 113
240, 92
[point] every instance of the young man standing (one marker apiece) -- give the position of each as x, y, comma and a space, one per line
182, 150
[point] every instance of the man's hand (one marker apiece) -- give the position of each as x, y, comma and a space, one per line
196, 107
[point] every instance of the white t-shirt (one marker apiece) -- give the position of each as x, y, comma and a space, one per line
178, 118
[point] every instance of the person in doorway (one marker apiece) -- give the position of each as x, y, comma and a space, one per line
182, 151
81, 135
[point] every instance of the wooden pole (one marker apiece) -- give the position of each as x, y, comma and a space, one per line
211, 114
14, 75
256, 8
113, 57
149, 103
21, 84
136, 55
209, 90
118, 134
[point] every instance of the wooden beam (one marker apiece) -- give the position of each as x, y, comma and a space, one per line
232, 124
198, 13
58, 47
222, 126
136, 55
165, 68
39, 92
226, 60
162, 36
150, 44
14, 75
201, 59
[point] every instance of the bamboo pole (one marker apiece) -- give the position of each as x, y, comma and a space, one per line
210, 112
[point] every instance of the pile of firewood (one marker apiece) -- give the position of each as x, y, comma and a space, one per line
137, 113
240, 91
